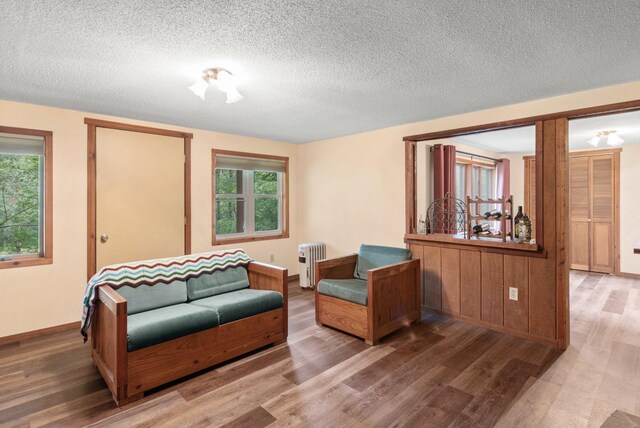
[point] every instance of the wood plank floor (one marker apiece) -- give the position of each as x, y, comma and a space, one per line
437, 373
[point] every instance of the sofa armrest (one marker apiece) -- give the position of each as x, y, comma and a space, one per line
109, 340
338, 268
112, 300
263, 276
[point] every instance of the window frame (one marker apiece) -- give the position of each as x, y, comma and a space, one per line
248, 189
45, 256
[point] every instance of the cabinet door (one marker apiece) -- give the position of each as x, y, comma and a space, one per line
580, 206
602, 214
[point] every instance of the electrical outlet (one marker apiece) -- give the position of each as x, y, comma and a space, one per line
272, 258
513, 293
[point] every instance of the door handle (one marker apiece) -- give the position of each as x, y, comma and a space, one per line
104, 238
589, 220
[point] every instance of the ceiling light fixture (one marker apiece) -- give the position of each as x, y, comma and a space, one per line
222, 79
613, 139
594, 141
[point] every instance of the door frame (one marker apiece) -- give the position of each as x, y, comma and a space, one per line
92, 126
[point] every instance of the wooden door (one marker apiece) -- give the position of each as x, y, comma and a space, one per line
602, 213
140, 209
579, 212
593, 211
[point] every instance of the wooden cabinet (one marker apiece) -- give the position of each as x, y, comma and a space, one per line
593, 210
593, 205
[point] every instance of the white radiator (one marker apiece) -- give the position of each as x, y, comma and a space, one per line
307, 256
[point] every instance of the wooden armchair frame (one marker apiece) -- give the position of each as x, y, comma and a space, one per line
393, 298
129, 374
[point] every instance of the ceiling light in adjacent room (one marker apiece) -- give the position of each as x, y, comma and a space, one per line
613, 139
222, 79
594, 141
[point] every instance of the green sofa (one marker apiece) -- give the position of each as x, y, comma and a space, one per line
148, 335
163, 312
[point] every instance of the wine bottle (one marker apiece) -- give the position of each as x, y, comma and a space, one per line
495, 214
479, 228
524, 228
516, 222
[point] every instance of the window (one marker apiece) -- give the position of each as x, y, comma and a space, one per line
25, 197
475, 179
250, 197
482, 180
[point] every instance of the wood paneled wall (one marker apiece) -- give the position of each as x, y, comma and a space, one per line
472, 283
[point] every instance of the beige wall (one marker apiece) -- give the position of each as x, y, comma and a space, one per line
344, 191
516, 182
352, 188
45, 296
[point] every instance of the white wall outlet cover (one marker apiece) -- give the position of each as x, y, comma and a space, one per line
513, 293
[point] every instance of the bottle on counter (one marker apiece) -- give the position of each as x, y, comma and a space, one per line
422, 226
516, 222
524, 228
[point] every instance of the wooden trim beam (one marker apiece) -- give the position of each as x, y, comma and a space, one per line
515, 123
40, 332
136, 128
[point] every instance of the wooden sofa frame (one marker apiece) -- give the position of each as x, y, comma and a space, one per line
393, 298
129, 374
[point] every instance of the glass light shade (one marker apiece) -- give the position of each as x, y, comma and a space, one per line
199, 87
614, 140
233, 96
594, 141
225, 81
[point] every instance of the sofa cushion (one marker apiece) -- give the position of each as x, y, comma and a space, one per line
162, 324
146, 297
352, 290
218, 282
375, 256
241, 304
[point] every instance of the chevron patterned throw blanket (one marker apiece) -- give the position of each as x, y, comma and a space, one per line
150, 272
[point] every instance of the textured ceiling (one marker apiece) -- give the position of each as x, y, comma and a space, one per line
311, 70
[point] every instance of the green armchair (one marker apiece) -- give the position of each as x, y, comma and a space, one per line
369, 294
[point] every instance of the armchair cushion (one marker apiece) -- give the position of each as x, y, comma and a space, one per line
352, 290
375, 256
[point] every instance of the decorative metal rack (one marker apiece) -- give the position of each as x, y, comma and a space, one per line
448, 215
